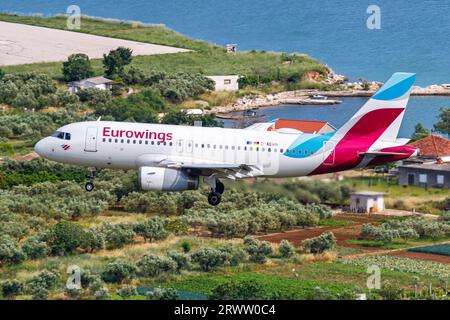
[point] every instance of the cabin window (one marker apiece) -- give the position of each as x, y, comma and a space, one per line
153, 142
158, 143
116, 140
109, 140
245, 148
165, 143
128, 140
134, 141
281, 150
203, 145
170, 143
104, 139
140, 141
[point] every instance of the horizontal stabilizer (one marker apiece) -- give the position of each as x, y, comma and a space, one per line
382, 153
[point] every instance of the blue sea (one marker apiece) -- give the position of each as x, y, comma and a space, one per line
419, 109
414, 35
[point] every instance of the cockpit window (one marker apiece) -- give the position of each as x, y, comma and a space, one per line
61, 135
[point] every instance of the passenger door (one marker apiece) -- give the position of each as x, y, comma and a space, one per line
91, 140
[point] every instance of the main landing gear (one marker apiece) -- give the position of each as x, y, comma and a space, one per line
89, 186
217, 188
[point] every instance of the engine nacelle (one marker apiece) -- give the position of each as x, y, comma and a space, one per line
166, 179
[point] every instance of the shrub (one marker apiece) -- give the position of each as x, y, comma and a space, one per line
286, 249
93, 240
127, 291
182, 260
39, 293
73, 292
10, 251
151, 229
238, 290
117, 235
326, 241
186, 246
234, 254
102, 294
153, 265
257, 250
390, 291
64, 237
117, 271
11, 288
94, 96
41, 284
162, 294
209, 258
34, 248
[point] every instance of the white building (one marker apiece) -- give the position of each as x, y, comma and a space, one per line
100, 83
225, 83
366, 201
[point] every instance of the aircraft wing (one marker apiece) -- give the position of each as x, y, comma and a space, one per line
222, 169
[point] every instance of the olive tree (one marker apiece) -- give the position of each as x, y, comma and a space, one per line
286, 249
151, 229
326, 241
209, 258
151, 265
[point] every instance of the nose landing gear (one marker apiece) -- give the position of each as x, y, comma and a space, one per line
89, 186
217, 188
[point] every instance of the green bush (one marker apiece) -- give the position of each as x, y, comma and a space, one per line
77, 67
35, 248
182, 260
151, 265
127, 291
286, 249
326, 241
238, 290
10, 252
64, 237
162, 294
209, 258
11, 288
102, 294
116, 272
117, 235
151, 229
258, 251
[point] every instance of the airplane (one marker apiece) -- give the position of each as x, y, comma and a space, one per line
174, 157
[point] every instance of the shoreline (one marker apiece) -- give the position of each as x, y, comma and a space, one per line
304, 97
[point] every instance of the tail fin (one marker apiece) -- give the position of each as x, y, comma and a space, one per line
382, 115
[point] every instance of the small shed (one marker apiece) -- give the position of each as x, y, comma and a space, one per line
100, 83
225, 83
366, 201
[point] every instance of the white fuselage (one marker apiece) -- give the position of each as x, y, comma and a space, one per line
125, 145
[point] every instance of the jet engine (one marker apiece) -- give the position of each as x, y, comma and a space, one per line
166, 179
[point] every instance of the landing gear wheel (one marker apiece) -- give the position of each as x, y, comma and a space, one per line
89, 186
214, 198
220, 188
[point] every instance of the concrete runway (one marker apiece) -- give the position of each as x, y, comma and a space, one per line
22, 44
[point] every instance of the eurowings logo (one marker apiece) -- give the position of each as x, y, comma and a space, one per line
65, 147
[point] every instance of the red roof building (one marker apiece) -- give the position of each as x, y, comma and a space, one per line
317, 127
433, 146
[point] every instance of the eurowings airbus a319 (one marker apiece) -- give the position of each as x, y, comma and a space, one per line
174, 157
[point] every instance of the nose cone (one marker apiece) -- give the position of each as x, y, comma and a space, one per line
40, 148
